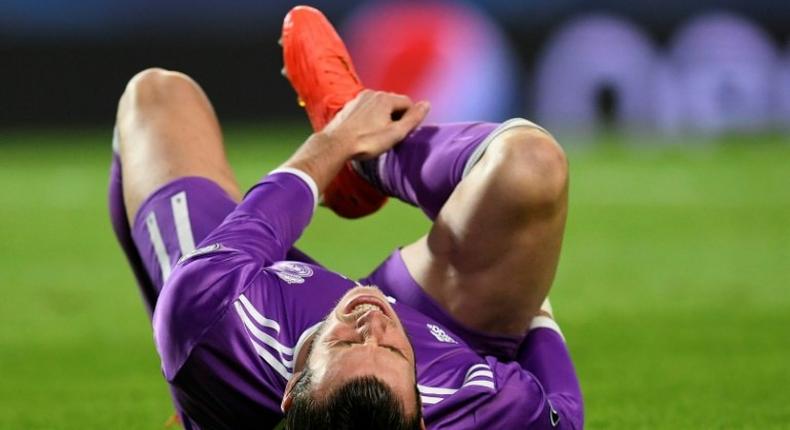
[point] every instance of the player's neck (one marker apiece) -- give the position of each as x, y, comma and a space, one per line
300, 361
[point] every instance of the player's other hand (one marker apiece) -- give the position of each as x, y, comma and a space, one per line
374, 122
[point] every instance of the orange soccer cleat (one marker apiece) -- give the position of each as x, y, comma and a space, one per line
320, 70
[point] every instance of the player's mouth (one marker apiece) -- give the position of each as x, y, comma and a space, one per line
364, 304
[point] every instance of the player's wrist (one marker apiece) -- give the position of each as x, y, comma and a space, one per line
545, 322
320, 157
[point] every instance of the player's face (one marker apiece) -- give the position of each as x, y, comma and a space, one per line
363, 336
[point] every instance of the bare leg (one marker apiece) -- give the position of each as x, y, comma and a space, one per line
168, 129
491, 255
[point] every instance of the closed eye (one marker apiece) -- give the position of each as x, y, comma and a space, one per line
396, 351
348, 343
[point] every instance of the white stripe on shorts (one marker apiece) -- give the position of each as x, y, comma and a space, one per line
183, 226
159, 245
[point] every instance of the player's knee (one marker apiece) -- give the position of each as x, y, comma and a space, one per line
532, 166
157, 88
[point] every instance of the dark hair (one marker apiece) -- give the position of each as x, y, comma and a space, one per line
361, 403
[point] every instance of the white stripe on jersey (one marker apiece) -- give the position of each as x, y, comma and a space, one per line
480, 374
273, 362
260, 319
281, 364
487, 384
479, 371
265, 338
159, 245
477, 366
183, 226
437, 394
436, 390
427, 400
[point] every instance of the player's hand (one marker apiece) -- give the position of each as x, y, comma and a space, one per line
367, 126
374, 122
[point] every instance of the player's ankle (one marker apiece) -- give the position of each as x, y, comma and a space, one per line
369, 171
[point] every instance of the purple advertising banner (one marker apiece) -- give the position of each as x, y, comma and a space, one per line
720, 76
596, 69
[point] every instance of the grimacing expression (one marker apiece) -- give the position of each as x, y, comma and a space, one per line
363, 336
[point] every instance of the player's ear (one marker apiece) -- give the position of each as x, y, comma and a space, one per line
288, 395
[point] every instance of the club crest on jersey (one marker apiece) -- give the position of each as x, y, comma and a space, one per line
292, 272
440, 334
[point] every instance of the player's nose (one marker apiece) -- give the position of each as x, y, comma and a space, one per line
373, 325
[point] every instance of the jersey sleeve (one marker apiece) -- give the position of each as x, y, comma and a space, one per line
538, 391
520, 401
221, 384
545, 355
204, 284
270, 219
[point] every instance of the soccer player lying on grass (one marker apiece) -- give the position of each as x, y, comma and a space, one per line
447, 333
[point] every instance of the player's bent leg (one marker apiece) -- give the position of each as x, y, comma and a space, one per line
123, 231
177, 185
168, 130
170, 184
424, 169
491, 255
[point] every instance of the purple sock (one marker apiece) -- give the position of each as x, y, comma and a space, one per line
120, 225
425, 168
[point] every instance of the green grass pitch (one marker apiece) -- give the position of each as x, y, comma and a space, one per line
673, 289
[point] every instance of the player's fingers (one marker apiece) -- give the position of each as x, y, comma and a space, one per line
410, 119
397, 102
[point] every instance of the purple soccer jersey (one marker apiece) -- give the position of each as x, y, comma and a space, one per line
240, 303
